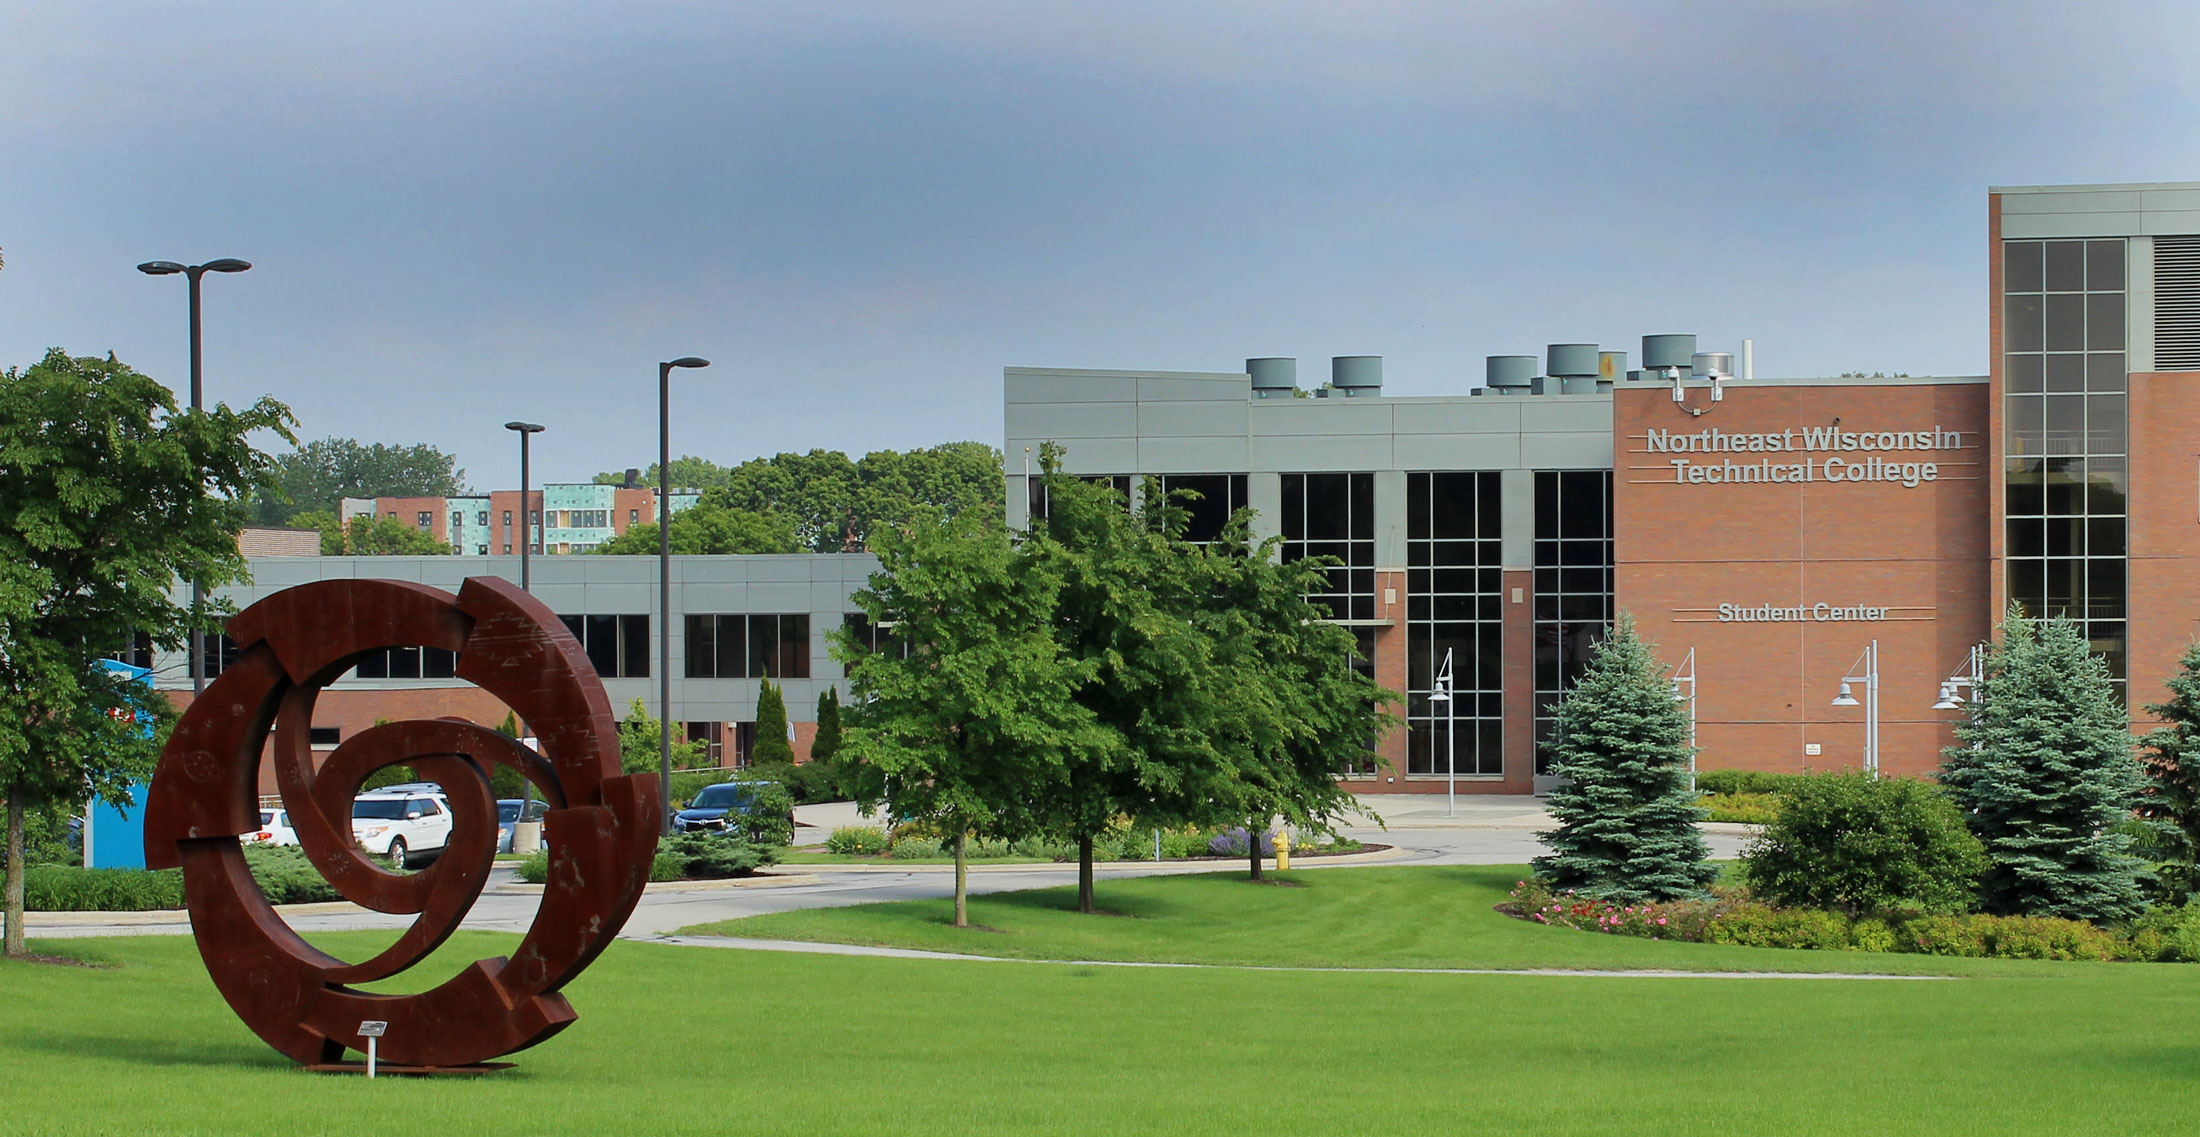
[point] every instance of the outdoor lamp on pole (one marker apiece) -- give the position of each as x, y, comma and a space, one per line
526, 519
192, 273
1972, 673
1442, 694
664, 578
1685, 672
1866, 671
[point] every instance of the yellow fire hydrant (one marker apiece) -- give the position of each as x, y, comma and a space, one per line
1283, 850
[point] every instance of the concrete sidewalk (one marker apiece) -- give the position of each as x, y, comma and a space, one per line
1394, 811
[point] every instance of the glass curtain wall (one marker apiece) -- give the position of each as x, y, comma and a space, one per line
1333, 515
1454, 603
1220, 495
1573, 587
2066, 431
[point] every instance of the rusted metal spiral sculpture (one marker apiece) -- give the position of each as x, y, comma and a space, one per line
601, 827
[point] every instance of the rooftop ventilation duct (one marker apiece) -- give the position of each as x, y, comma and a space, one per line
1356, 376
1572, 368
1611, 369
1274, 377
1510, 374
1671, 357
1711, 365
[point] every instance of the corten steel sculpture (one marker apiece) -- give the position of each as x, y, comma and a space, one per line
601, 828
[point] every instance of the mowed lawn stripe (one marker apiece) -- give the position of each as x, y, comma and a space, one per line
682, 1040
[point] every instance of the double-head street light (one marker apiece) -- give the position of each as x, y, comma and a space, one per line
192, 273
1971, 675
1443, 694
526, 517
1866, 671
664, 578
1685, 672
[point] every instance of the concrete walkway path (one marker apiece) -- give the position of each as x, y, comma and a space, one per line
810, 948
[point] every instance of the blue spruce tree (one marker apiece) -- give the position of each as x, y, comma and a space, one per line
1627, 819
2046, 777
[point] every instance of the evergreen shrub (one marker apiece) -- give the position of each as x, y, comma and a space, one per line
1860, 844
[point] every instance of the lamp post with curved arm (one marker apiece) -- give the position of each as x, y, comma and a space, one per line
664, 577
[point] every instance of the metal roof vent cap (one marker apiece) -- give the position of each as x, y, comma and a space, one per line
1667, 352
1276, 377
1711, 365
1510, 374
1356, 376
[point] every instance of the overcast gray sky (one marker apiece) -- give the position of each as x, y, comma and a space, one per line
462, 213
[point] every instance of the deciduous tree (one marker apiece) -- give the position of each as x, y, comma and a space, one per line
708, 529
972, 710
112, 495
318, 474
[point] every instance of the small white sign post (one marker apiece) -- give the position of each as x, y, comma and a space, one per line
371, 1030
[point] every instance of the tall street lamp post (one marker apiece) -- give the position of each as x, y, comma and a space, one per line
192, 273
1866, 671
1443, 694
1685, 672
526, 518
664, 579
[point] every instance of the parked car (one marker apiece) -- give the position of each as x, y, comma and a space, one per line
508, 813
275, 830
714, 804
400, 821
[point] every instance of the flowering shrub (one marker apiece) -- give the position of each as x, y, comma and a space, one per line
1667, 920
1731, 917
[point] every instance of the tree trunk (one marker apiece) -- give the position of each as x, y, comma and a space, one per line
1252, 846
1084, 874
962, 880
14, 946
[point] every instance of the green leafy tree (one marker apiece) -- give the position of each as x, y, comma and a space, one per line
504, 780
111, 495
2046, 777
709, 529
1861, 844
1627, 819
640, 736
973, 708
1291, 713
836, 504
688, 472
2170, 755
369, 536
1127, 610
318, 474
772, 748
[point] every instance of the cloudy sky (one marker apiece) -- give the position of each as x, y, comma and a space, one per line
462, 213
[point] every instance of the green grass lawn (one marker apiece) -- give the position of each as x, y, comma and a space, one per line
696, 1040
1356, 917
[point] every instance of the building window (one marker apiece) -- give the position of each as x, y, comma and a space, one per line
1036, 490
507, 522
408, 663
2066, 443
320, 737
1454, 606
618, 646
425, 519
748, 647
217, 652
482, 519
137, 653
1333, 515
507, 548
458, 520
709, 735
535, 517
1573, 587
1218, 496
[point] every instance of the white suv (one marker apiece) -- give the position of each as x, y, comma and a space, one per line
399, 821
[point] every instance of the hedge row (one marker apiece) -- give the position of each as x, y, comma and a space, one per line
683, 856
285, 876
2163, 935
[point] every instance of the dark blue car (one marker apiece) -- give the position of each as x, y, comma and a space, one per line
715, 804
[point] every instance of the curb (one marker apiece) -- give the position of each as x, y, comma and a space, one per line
158, 916
1217, 864
759, 881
